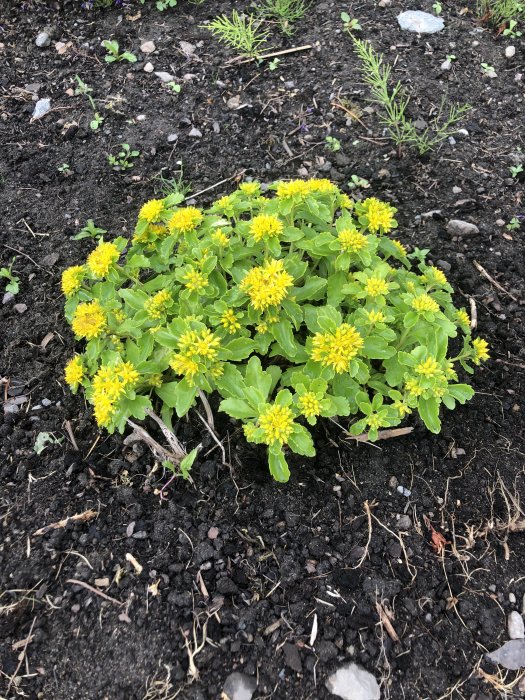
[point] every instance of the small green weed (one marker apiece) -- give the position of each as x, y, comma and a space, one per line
240, 32
284, 12
123, 161
113, 52
13, 284
332, 144
89, 231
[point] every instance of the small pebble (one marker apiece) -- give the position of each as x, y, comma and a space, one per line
402, 490
41, 107
195, 133
8, 296
43, 40
46, 402
148, 47
510, 52
20, 308
456, 190
213, 533
515, 625
456, 227
512, 598
148, 67
172, 138
165, 77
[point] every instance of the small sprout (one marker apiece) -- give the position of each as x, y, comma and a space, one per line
240, 32
513, 224
175, 87
113, 53
488, 70
284, 12
13, 284
273, 64
45, 439
96, 121
358, 182
333, 144
515, 170
123, 161
64, 168
351, 25
511, 30
437, 7
89, 231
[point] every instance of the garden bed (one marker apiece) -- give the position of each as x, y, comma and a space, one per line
246, 565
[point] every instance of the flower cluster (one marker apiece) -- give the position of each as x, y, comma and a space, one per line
303, 281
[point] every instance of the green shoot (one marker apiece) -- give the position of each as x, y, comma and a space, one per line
240, 32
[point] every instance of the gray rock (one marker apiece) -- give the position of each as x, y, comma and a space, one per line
511, 655
239, 686
20, 308
510, 52
195, 133
352, 682
172, 138
8, 296
165, 77
187, 48
444, 265
456, 227
515, 625
46, 402
148, 47
43, 40
41, 107
148, 67
446, 65
404, 522
420, 22
292, 658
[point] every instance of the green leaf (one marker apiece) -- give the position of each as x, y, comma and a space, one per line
278, 466
178, 395
231, 383
135, 298
335, 286
237, 349
312, 289
283, 334
461, 392
300, 441
187, 463
328, 318
376, 348
236, 408
429, 412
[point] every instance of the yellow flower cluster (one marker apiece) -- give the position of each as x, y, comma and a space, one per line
309, 404
265, 226
435, 276
351, 240
185, 220
250, 189
375, 317
230, 321
109, 384
157, 305
380, 215
72, 279
74, 372
151, 211
423, 303
102, 258
276, 423
402, 409
220, 238
481, 349
336, 349
400, 247
89, 320
429, 368
463, 318
375, 286
195, 347
267, 285
302, 188
413, 387
194, 280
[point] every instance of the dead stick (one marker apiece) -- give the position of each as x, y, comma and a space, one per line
28, 257
386, 622
22, 656
76, 582
217, 184
383, 434
69, 431
473, 314
295, 49
79, 517
485, 274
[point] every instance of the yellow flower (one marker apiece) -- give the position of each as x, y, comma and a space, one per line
380, 215
72, 279
262, 328
89, 320
220, 238
74, 372
225, 204
400, 247
335, 350
423, 303
205, 345
429, 368
158, 230
249, 430
182, 364
374, 421
463, 318
157, 305
104, 409
109, 383
434, 276
267, 285
265, 226
481, 349
276, 423
127, 373
323, 186
351, 240
401, 408
294, 188
450, 372
195, 281
375, 286
250, 189
413, 387
151, 211
375, 317
345, 202
217, 370
155, 380
102, 258
229, 321
309, 404
185, 220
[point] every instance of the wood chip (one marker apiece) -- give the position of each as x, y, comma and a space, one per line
46, 340
102, 582
78, 518
134, 563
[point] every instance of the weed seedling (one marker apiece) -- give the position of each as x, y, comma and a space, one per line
515, 170
65, 169
84, 89
240, 32
351, 25
89, 231
333, 144
513, 224
174, 87
284, 12
45, 439
13, 284
274, 63
123, 161
437, 7
357, 182
488, 70
511, 30
113, 53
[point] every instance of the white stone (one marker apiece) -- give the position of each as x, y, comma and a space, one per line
515, 625
510, 52
446, 65
148, 67
420, 22
511, 655
148, 47
239, 686
352, 682
41, 107
165, 77
456, 227
43, 40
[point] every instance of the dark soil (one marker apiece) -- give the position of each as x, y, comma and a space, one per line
283, 554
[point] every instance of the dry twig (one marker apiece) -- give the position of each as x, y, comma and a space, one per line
78, 518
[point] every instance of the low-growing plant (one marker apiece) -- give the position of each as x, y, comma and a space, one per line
240, 32
284, 12
293, 308
501, 12
13, 282
515, 170
89, 231
514, 224
84, 89
357, 182
438, 8
124, 159
332, 144
350, 24
394, 103
113, 52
